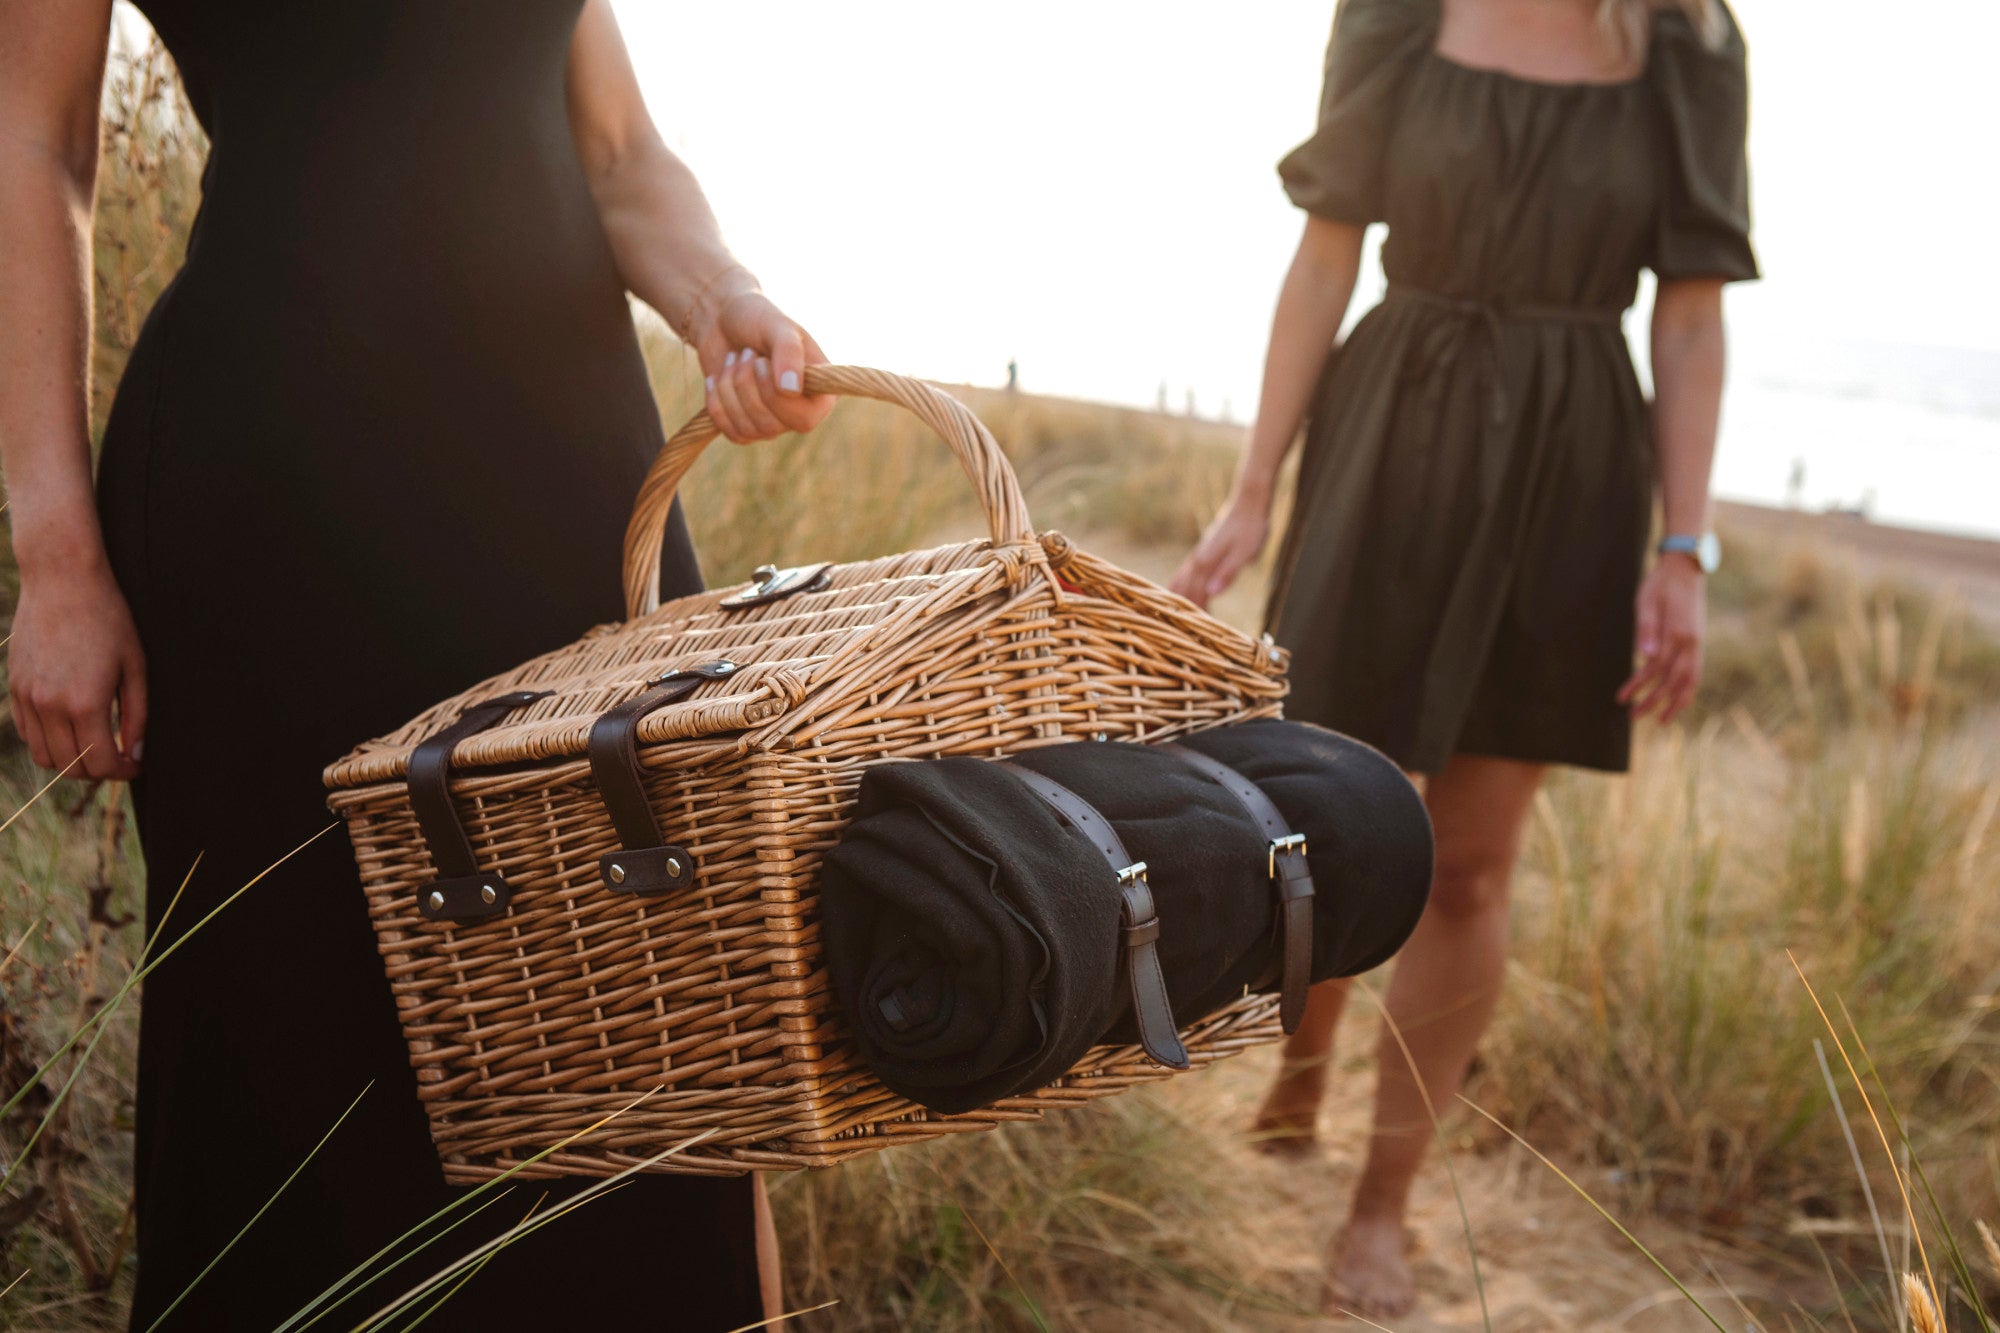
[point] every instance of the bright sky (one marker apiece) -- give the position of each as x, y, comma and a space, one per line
1089, 187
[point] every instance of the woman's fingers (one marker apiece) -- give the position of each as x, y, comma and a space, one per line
725, 406
60, 738
101, 757
1683, 680
788, 358
1191, 581
29, 723
132, 708
758, 395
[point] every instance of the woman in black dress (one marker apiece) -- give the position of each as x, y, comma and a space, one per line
1461, 582
377, 442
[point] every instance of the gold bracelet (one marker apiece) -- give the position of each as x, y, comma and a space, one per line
701, 294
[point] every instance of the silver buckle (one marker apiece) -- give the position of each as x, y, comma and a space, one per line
1135, 871
1294, 842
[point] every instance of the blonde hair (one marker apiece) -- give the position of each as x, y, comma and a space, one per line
1629, 21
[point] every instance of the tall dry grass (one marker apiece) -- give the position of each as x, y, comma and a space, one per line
1835, 797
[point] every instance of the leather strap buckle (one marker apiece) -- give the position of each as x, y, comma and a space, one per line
1286, 867
1290, 844
1139, 924
460, 893
646, 863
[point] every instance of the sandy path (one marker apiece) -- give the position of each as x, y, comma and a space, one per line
1549, 1262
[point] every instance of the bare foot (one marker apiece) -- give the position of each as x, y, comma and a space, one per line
1370, 1270
1285, 1123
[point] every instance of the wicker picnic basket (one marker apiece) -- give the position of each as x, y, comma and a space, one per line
592, 878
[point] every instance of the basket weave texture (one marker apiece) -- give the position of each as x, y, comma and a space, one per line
709, 1008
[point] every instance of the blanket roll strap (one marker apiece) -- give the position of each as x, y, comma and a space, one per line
1289, 872
459, 893
645, 863
1151, 1008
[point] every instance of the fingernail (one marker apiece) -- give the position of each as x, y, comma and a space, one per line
789, 381
729, 361
138, 751
710, 382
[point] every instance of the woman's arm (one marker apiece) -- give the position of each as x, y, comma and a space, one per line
75, 672
1688, 362
670, 252
1311, 304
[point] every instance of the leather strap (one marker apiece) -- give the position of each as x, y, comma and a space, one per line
460, 893
1150, 1005
646, 864
1289, 874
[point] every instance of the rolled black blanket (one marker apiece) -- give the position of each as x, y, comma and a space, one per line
972, 936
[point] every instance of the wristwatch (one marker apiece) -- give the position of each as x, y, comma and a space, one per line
1705, 550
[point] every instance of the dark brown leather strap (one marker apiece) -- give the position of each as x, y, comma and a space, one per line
1289, 875
645, 864
460, 893
1151, 1008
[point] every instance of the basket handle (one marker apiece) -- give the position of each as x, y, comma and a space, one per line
978, 453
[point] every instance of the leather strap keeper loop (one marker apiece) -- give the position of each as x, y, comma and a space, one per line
646, 864
1151, 1007
460, 893
1291, 878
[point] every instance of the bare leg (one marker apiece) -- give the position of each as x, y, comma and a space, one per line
1445, 988
1284, 1124
770, 1265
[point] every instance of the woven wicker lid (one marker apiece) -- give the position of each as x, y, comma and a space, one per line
780, 649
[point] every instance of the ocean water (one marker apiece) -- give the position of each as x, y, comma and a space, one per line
1909, 463
1909, 435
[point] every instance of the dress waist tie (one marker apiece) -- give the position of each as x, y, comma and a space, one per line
1489, 315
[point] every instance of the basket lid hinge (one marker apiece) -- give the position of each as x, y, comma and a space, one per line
460, 893
645, 863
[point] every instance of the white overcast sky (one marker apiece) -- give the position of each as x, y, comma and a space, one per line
1088, 185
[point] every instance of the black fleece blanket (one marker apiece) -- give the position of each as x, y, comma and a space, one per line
972, 937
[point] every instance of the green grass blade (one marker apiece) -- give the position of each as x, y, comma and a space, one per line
1602, 1212
245, 1229
597, 1189
786, 1317
366, 1270
139, 973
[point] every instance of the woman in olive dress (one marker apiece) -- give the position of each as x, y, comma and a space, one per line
377, 442
1464, 580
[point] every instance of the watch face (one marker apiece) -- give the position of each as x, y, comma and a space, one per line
1708, 552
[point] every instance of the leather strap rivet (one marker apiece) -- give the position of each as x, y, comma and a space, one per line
437, 901
617, 873
673, 867
486, 893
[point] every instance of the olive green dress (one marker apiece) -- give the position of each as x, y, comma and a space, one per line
1475, 493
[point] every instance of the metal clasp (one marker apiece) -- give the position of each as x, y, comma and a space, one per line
1290, 843
1134, 873
769, 584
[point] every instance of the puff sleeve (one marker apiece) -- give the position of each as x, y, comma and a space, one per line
1703, 89
1337, 173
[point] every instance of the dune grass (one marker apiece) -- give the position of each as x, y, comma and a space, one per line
1835, 798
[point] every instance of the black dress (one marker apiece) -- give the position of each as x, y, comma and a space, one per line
1476, 488
377, 442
